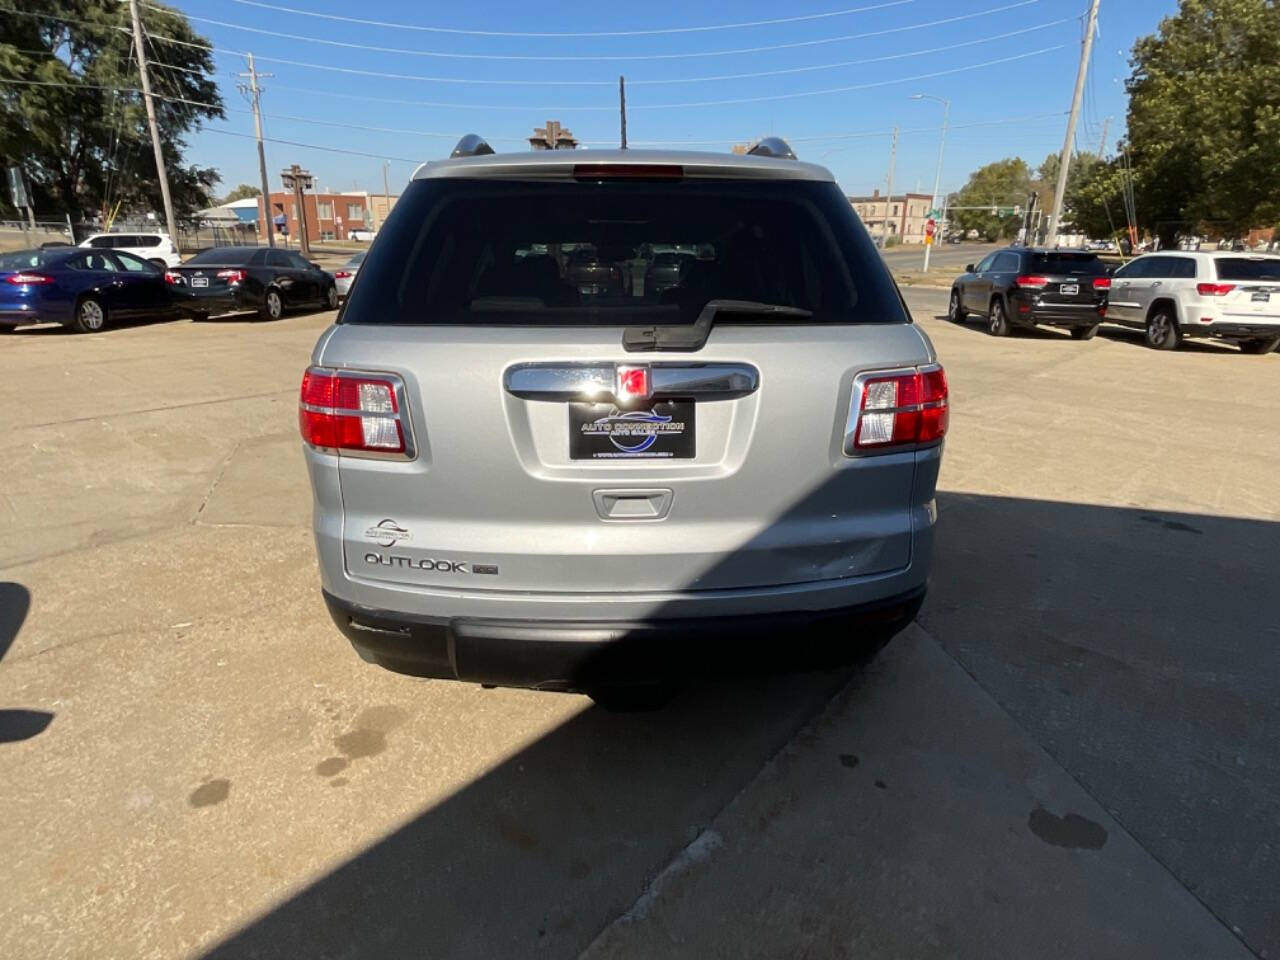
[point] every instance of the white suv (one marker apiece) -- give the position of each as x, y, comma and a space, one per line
1230, 296
159, 248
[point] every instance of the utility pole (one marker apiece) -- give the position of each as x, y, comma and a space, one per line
255, 92
1102, 141
937, 177
893, 158
1064, 160
298, 180
622, 107
151, 119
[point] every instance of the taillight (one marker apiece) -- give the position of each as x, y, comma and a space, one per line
231, 276
341, 275
633, 384
1031, 282
1102, 283
357, 413
1214, 289
29, 279
897, 408
172, 279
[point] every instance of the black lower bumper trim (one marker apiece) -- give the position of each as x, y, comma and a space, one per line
580, 655
1233, 331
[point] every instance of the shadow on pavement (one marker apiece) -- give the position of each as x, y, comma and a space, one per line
1134, 337
15, 602
1139, 647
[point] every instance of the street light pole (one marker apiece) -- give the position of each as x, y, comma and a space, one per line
937, 177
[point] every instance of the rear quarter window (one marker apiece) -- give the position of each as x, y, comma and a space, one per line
497, 252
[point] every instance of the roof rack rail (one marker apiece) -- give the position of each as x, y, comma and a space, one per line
472, 145
772, 147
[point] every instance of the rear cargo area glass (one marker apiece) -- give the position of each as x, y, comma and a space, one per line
492, 252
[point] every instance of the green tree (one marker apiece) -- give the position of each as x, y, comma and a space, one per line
1094, 202
1204, 118
243, 192
1003, 184
72, 117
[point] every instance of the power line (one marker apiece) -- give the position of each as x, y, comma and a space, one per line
599, 33
717, 103
315, 146
577, 57
809, 68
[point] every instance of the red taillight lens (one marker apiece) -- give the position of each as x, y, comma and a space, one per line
1102, 283
1031, 282
1214, 289
231, 276
352, 412
172, 279
341, 275
896, 409
29, 279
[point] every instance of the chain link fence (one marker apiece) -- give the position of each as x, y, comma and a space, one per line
193, 234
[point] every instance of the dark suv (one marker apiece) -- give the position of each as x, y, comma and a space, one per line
1026, 286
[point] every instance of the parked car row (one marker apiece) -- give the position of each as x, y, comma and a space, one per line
1171, 296
87, 288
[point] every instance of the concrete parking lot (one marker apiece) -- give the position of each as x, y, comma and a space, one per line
1074, 753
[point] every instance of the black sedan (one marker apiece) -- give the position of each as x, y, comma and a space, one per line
82, 289
1025, 286
266, 280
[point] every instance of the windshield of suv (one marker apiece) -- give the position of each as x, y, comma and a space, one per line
1248, 268
500, 252
1071, 264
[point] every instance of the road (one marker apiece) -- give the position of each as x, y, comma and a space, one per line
1076, 753
949, 258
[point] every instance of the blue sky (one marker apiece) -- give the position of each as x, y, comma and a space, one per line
835, 111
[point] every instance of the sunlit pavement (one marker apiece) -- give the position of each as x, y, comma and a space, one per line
1076, 753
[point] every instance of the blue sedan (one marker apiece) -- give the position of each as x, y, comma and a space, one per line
84, 289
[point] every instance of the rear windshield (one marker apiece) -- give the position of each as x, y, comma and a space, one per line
1248, 268
22, 260
224, 256
1071, 264
496, 252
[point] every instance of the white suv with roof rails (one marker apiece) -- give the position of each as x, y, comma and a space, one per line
532, 471
155, 246
1219, 294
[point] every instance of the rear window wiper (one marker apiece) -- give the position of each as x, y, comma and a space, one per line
693, 336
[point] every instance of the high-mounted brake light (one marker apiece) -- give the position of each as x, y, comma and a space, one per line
1031, 282
29, 279
1214, 289
627, 171
231, 276
1102, 283
356, 414
896, 408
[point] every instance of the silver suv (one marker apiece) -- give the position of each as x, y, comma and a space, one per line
534, 467
1228, 296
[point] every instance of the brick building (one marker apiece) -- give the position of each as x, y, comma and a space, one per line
330, 216
907, 214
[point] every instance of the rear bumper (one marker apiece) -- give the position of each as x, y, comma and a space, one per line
217, 301
1028, 311
1232, 329
577, 655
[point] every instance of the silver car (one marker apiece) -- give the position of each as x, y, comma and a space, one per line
521, 483
345, 275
